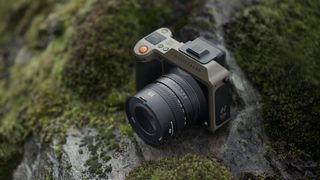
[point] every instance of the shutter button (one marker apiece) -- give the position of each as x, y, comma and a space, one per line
143, 49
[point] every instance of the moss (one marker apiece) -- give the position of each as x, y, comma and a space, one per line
16, 16
9, 159
187, 167
255, 176
277, 44
33, 102
105, 157
79, 73
48, 177
58, 151
95, 168
93, 164
126, 130
108, 169
101, 58
97, 164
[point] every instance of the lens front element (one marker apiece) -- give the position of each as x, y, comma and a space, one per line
145, 120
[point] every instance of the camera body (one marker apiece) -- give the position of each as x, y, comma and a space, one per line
199, 63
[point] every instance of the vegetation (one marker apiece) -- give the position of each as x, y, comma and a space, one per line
187, 167
277, 45
74, 71
103, 51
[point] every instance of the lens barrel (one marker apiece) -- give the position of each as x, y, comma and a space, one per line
164, 108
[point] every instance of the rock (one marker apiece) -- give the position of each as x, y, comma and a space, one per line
37, 162
41, 161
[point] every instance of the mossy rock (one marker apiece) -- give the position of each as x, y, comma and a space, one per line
277, 45
187, 167
79, 72
102, 57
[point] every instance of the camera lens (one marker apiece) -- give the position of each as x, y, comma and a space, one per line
145, 119
165, 107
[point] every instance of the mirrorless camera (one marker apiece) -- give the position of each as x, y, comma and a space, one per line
179, 85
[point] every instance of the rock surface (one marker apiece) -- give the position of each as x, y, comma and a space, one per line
40, 161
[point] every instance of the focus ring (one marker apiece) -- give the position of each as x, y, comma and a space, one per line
181, 94
173, 102
190, 92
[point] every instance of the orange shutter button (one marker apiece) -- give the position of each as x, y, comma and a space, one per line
143, 49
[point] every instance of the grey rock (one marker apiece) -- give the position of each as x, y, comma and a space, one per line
37, 161
40, 161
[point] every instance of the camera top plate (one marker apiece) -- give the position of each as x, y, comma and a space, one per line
159, 41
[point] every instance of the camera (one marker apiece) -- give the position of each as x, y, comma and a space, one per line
179, 85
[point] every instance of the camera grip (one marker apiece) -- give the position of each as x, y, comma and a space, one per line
147, 72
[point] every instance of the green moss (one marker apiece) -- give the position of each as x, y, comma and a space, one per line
277, 44
103, 53
32, 102
94, 167
187, 167
79, 73
9, 159
105, 157
126, 130
16, 17
108, 169
58, 151
48, 177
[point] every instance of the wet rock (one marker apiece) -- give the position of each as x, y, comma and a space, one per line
37, 162
41, 161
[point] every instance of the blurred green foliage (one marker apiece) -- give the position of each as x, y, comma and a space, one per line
277, 44
102, 54
73, 70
